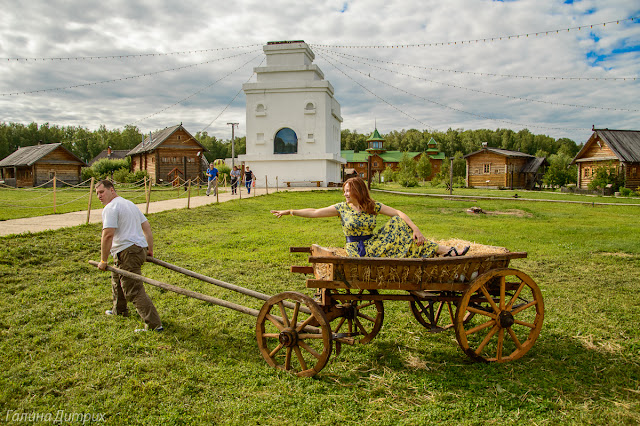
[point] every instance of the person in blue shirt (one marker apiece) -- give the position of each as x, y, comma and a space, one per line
212, 176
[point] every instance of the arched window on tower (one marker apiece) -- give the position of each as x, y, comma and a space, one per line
285, 142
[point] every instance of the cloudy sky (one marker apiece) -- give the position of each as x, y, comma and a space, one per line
555, 67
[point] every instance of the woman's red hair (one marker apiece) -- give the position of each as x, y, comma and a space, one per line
360, 194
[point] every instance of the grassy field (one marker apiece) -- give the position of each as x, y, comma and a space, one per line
19, 203
60, 352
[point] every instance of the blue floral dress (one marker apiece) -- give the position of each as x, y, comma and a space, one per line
394, 239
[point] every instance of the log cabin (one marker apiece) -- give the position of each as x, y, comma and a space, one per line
501, 168
35, 165
357, 162
618, 148
169, 154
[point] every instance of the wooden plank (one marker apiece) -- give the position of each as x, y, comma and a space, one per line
372, 285
302, 269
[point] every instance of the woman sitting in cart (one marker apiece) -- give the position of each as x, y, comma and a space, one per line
399, 237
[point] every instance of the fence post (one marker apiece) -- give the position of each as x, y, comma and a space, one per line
240, 189
277, 184
266, 184
217, 192
90, 197
54, 193
148, 190
189, 195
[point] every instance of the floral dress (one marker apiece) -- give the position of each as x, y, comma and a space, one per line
394, 239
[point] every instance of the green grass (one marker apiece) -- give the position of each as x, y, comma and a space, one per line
556, 195
20, 203
60, 352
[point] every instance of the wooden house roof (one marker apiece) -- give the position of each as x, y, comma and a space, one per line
625, 144
503, 152
116, 154
29, 155
156, 139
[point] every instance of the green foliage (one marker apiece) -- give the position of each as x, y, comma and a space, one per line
626, 192
104, 167
389, 175
464, 141
407, 174
224, 170
423, 167
606, 175
560, 172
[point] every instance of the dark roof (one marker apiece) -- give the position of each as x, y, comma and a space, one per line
28, 155
624, 143
157, 138
504, 152
116, 154
533, 165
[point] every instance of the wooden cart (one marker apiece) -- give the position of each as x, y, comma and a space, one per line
496, 312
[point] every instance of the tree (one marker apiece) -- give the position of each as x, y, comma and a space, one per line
423, 167
388, 174
559, 173
407, 171
606, 175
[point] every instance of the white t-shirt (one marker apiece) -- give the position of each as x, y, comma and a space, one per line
127, 219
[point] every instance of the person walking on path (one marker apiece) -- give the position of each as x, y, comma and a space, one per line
248, 178
212, 176
127, 236
235, 177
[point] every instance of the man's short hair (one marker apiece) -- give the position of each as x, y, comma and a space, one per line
106, 183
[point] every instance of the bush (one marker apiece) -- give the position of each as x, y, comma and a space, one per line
625, 192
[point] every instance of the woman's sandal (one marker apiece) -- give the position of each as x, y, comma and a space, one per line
453, 252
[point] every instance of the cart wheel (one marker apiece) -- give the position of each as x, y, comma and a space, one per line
286, 340
360, 317
509, 313
430, 312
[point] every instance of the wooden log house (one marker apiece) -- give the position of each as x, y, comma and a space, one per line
501, 168
357, 162
169, 154
35, 165
618, 148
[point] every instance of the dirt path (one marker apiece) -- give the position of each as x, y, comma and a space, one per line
57, 221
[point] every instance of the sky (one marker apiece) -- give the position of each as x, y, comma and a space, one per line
554, 67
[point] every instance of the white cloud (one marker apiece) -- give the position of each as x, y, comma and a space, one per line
90, 28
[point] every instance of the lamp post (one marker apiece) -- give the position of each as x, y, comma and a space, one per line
233, 145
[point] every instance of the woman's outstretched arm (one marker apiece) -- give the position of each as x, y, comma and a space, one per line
323, 212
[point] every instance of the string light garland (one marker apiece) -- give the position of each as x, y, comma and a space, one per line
462, 42
498, 94
195, 93
483, 74
95, 83
141, 55
435, 102
375, 95
230, 102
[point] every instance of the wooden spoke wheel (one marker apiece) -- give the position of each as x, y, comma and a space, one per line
508, 310
435, 314
358, 317
287, 340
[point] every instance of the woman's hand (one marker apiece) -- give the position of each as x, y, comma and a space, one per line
279, 213
418, 238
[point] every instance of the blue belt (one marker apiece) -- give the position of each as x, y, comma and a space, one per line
360, 239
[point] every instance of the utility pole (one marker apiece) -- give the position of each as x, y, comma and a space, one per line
233, 144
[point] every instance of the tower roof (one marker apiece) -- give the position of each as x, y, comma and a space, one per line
375, 136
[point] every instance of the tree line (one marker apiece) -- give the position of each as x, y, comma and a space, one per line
86, 144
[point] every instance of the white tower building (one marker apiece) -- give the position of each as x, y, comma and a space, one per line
293, 120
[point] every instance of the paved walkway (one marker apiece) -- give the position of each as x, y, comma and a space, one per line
57, 221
